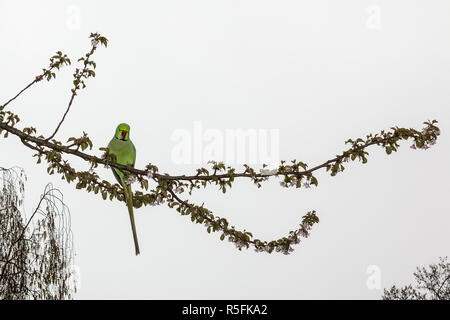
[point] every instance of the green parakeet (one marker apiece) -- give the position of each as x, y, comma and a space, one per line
125, 152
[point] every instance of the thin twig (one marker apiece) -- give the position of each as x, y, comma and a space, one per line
37, 79
64, 116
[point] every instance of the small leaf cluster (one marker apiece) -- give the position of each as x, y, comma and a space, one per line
82, 142
57, 61
8, 118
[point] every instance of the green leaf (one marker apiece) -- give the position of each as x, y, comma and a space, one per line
388, 150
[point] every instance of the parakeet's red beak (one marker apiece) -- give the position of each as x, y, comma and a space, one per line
124, 134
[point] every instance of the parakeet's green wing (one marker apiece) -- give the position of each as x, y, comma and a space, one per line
117, 173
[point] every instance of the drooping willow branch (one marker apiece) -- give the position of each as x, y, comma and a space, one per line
36, 251
167, 187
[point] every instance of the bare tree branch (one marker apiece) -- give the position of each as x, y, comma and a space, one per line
430, 284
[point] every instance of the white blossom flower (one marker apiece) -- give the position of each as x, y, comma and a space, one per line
131, 179
94, 42
149, 175
302, 232
159, 199
268, 172
239, 244
178, 190
306, 185
305, 226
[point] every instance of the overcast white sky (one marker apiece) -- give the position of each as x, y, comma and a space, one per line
317, 71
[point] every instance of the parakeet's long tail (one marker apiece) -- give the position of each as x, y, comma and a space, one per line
129, 201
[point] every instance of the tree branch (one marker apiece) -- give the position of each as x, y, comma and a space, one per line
294, 174
86, 72
57, 61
